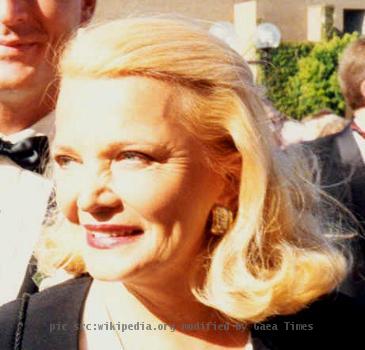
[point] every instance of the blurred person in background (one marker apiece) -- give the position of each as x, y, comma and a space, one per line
342, 157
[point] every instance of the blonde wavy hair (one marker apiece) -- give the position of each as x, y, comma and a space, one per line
275, 258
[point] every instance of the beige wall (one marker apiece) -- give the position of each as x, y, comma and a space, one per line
211, 10
288, 15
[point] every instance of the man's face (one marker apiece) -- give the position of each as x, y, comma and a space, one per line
31, 31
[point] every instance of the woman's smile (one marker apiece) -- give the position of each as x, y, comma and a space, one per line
110, 236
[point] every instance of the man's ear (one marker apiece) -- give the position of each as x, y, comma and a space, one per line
87, 10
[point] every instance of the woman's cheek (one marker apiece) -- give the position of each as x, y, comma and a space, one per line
150, 193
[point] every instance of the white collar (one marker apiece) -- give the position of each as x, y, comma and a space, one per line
43, 127
360, 117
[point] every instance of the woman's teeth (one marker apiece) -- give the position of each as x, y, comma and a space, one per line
115, 234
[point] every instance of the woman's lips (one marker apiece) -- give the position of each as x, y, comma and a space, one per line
111, 236
16, 49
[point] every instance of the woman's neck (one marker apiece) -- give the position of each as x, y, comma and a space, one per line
173, 309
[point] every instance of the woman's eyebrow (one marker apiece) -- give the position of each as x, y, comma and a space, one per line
112, 148
62, 148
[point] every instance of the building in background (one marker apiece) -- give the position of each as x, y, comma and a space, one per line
297, 20
301, 20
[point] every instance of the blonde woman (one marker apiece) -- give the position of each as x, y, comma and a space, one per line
193, 228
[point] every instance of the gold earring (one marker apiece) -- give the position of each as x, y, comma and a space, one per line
222, 219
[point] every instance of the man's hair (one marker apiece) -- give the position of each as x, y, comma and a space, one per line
352, 73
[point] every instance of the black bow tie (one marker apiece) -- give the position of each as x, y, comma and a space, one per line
31, 154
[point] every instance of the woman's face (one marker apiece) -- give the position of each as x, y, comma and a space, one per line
132, 177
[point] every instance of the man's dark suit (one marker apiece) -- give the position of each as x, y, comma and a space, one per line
343, 176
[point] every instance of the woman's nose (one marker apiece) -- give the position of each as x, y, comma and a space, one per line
99, 200
13, 12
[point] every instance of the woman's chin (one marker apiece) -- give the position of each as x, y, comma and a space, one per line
109, 267
107, 272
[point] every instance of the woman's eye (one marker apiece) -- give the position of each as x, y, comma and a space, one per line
133, 156
64, 161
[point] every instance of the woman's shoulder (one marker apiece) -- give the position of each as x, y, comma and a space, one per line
45, 318
334, 320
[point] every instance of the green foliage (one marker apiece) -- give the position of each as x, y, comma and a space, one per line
279, 65
302, 78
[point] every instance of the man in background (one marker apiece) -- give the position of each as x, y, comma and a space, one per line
31, 34
342, 159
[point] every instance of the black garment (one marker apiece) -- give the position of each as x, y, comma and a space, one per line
31, 154
28, 285
45, 316
343, 176
50, 320
342, 170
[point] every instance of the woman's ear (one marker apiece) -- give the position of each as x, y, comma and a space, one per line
87, 10
228, 197
231, 184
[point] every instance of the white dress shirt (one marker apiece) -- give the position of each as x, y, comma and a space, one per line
23, 203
